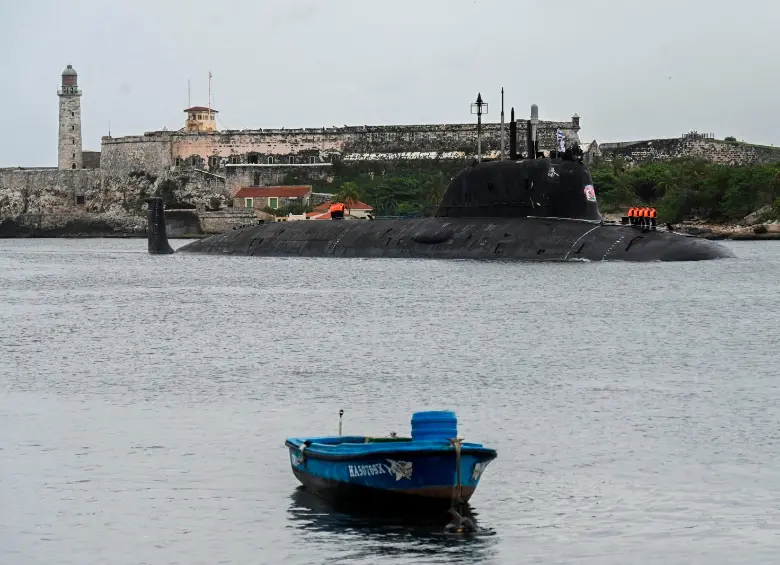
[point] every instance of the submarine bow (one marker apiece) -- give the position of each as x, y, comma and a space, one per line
528, 210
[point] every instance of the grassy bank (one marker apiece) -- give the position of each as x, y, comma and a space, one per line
690, 188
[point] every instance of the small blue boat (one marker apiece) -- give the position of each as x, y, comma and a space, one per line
433, 469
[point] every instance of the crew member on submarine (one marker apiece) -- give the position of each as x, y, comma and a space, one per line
337, 211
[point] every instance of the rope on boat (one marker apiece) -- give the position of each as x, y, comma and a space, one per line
457, 491
461, 525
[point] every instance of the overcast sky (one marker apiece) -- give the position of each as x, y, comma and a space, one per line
632, 69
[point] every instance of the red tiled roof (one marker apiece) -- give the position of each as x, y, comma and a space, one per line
273, 192
351, 204
201, 109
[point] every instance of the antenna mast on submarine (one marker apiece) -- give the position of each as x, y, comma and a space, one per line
512, 135
476, 108
209, 94
503, 155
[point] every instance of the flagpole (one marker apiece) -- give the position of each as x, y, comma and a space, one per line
502, 123
561, 141
209, 94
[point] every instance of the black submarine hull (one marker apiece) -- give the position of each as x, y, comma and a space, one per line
530, 210
525, 239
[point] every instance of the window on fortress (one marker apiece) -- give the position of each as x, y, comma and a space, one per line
270, 160
256, 179
252, 160
248, 203
312, 159
73, 114
177, 161
73, 166
273, 202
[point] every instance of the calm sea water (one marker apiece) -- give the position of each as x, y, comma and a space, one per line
144, 403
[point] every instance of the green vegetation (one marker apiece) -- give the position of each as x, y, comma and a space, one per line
678, 189
400, 188
689, 187
348, 192
296, 208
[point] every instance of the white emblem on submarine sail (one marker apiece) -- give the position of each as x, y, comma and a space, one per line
552, 173
590, 193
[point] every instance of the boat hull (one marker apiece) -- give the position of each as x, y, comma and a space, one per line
411, 475
349, 494
519, 239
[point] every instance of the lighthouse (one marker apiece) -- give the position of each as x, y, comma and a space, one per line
69, 152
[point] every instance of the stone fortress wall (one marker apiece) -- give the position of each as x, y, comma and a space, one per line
150, 152
38, 191
214, 151
693, 144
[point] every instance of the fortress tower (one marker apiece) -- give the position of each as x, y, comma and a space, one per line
69, 153
200, 118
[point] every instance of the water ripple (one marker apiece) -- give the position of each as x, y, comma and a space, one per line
145, 401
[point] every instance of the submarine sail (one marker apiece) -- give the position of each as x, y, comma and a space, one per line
549, 188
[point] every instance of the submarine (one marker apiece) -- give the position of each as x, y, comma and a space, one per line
536, 208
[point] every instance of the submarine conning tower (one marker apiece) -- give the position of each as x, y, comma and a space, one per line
557, 187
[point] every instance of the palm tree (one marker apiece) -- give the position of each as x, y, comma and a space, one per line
348, 193
618, 166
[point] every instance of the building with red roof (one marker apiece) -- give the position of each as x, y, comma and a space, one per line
259, 197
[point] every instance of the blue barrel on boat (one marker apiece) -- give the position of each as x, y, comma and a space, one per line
438, 424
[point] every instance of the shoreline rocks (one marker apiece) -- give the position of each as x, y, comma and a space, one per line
748, 229
72, 225
754, 231
182, 223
